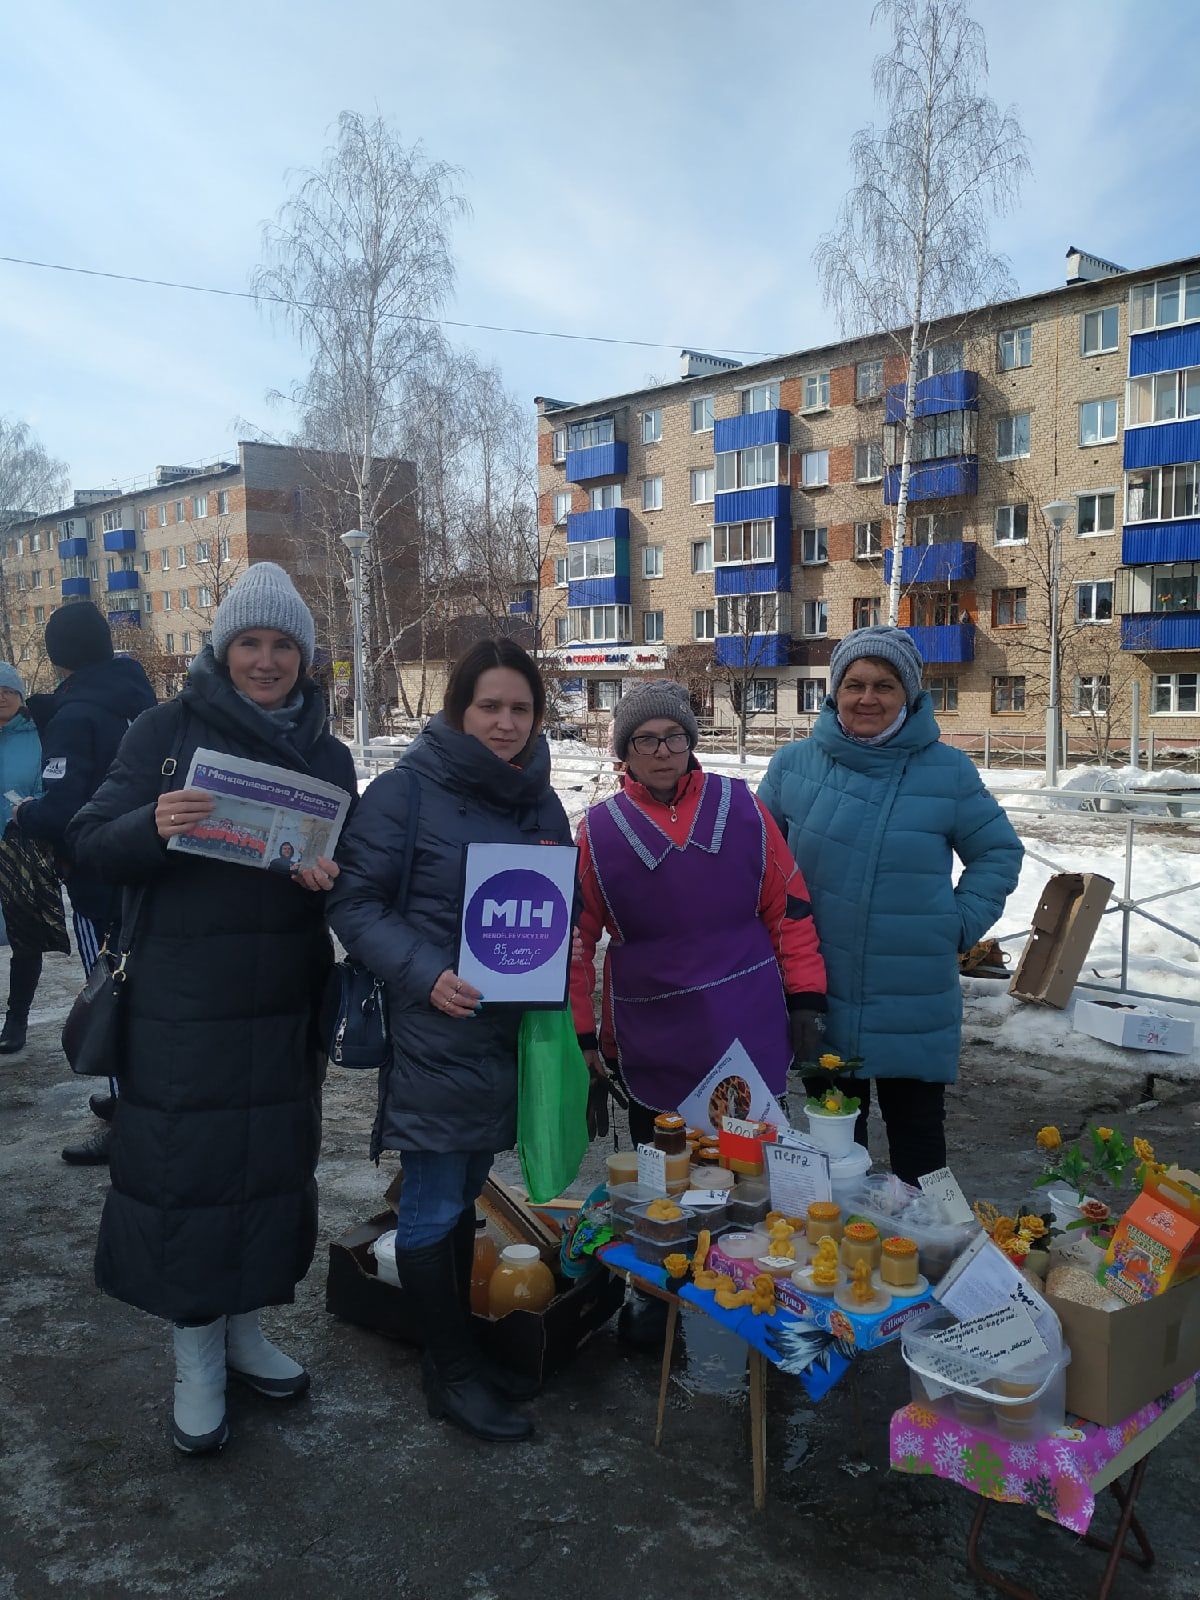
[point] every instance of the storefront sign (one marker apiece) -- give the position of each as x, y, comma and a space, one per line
627, 660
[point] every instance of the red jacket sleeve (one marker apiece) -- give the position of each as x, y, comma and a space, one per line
592, 922
785, 908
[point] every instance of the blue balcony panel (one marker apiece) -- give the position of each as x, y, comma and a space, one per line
611, 524
72, 549
763, 577
945, 391
1164, 350
121, 581
522, 607
945, 645
754, 650
754, 505
934, 480
1166, 630
598, 461
599, 591
755, 427
1160, 541
124, 619
118, 539
74, 587
1162, 445
932, 563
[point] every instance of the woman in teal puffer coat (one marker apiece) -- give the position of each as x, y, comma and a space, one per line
875, 808
20, 776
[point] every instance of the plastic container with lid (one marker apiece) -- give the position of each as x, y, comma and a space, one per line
676, 1226
521, 1282
895, 1207
670, 1134
1025, 1402
622, 1167
656, 1251
744, 1246
846, 1174
624, 1198
749, 1202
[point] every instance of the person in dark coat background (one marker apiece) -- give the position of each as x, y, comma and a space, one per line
81, 725
21, 775
213, 1208
448, 1099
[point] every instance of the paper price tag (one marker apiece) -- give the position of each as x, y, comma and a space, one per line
652, 1167
797, 1175
740, 1128
701, 1199
943, 1187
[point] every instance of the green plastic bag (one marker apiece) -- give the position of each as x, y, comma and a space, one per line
552, 1091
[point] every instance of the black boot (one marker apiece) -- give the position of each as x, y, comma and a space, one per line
512, 1385
24, 970
12, 1037
455, 1387
91, 1152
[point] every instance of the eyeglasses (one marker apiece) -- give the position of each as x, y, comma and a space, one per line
649, 744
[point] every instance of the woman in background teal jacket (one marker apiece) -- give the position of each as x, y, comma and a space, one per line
20, 775
875, 809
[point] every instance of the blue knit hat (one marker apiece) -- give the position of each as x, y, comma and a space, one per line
264, 597
893, 645
10, 678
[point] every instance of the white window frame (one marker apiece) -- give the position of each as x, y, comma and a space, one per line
814, 546
874, 544
621, 622
143, 520
591, 432
814, 462
747, 467
169, 643
604, 497
876, 390
109, 523
653, 560
203, 550
223, 548
1100, 406
591, 558
562, 567
652, 425
1020, 343
1011, 680
762, 697
705, 479
1089, 686
1012, 422
562, 507
1095, 495
1185, 284
653, 631
815, 391
932, 362
704, 622
1009, 536
815, 690
561, 632
1091, 588
1144, 393
749, 614
756, 542
814, 618
181, 555
870, 475
705, 404
1154, 477
704, 549
1099, 314
1172, 681
558, 444
753, 393
204, 595
167, 601
222, 502
199, 506
652, 494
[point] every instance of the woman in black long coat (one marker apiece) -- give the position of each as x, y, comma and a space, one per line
212, 1212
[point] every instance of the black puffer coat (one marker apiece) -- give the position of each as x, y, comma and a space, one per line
452, 1084
213, 1206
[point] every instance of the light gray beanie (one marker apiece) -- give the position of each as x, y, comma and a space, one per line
264, 597
10, 678
893, 645
662, 697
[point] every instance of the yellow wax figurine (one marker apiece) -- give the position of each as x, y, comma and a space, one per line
861, 1289
825, 1266
781, 1240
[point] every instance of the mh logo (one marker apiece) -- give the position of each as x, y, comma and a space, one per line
516, 921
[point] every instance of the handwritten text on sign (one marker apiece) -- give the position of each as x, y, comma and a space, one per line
797, 1177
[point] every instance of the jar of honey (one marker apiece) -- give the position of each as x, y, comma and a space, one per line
521, 1282
860, 1242
823, 1220
670, 1134
483, 1264
622, 1167
898, 1262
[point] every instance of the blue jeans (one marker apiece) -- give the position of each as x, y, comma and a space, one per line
438, 1187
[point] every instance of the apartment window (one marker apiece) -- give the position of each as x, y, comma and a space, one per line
943, 692
1161, 304
652, 561
1012, 436
110, 522
164, 557
748, 614
1015, 348
600, 624
652, 627
169, 643
1008, 694
162, 516
181, 555
1012, 524
703, 484
1163, 493
704, 623
558, 444
204, 596
946, 356
814, 618
938, 611
110, 565
1097, 422
94, 571
179, 516
1093, 601
35, 543
200, 505
816, 391
37, 581
810, 694
223, 548
184, 602
760, 397
1098, 331
814, 546
868, 462
166, 601
222, 502
814, 468
39, 613
562, 508
143, 520
652, 494
1176, 692
202, 550
949, 433
89, 528
937, 527
652, 425
586, 435
1164, 588
560, 572
761, 696
562, 632
702, 555
1009, 608
145, 561
868, 380
868, 539
1091, 694
753, 468
605, 497
187, 644
592, 558
702, 414
867, 612
1163, 397
147, 603
51, 578
735, 542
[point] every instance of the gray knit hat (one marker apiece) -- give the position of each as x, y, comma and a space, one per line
662, 697
10, 678
264, 597
893, 645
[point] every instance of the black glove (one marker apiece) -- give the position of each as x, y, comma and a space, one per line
808, 1035
597, 1109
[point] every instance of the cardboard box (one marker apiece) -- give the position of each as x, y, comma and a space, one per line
1064, 924
1121, 1360
536, 1344
1134, 1027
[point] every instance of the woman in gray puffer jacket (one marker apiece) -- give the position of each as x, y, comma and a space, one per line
448, 1098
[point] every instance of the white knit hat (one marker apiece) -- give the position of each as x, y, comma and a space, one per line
264, 597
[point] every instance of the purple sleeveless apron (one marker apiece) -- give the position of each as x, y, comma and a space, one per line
691, 965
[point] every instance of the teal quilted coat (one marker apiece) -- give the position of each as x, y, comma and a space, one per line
874, 830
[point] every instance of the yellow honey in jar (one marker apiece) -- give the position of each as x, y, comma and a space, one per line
670, 1134
521, 1282
823, 1220
860, 1242
898, 1262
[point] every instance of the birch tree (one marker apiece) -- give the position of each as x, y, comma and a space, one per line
911, 246
31, 481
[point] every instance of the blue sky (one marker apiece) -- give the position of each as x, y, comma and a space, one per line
651, 169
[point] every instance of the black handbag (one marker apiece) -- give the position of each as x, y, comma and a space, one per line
91, 1036
354, 1022
31, 894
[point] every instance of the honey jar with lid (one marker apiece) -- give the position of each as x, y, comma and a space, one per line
860, 1242
521, 1282
898, 1262
670, 1134
823, 1220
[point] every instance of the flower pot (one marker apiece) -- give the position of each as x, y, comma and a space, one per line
832, 1131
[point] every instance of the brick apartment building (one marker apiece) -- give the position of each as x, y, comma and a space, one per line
751, 506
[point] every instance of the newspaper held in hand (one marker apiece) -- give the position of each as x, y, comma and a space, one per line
263, 816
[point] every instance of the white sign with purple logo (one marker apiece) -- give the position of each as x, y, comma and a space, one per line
515, 939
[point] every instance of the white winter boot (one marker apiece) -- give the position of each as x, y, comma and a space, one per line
200, 1424
255, 1361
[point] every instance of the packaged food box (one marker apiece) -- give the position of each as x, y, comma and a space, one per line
1022, 1401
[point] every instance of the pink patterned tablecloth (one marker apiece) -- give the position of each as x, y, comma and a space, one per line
1052, 1475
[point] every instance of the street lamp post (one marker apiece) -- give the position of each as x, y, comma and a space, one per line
1057, 513
355, 542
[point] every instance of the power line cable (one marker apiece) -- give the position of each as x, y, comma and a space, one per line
441, 322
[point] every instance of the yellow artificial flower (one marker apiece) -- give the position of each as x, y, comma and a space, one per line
1032, 1227
1004, 1230
1104, 1134
1016, 1248
1049, 1138
1143, 1149
676, 1265
829, 1061
832, 1104
986, 1214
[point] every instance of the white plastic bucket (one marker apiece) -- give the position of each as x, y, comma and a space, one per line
847, 1172
384, 1251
